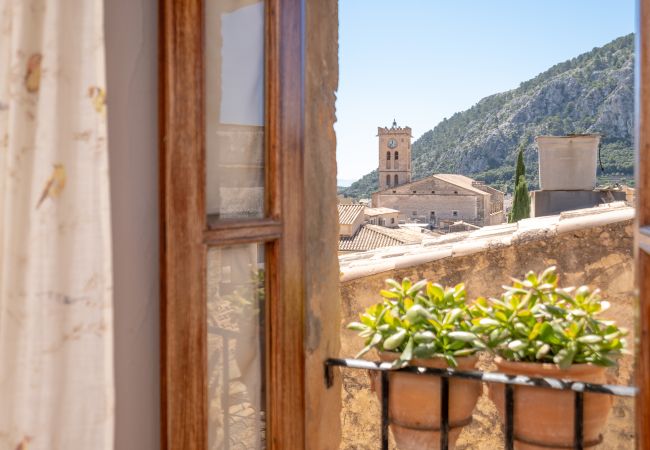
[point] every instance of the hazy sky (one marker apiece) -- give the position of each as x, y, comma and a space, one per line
419, 61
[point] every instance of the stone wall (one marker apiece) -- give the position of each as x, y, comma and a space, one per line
587, 249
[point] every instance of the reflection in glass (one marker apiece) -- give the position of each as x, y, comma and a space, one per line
235, 305
234, 108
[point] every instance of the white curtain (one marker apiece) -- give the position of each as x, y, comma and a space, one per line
56, 358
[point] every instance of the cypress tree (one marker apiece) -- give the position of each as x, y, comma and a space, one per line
520, 171
521, 202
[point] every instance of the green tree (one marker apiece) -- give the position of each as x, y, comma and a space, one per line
520, 171
521, 202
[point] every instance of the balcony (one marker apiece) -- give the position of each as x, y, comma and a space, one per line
591, 246
509, 381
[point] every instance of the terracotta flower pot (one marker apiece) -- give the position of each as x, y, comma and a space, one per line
414, 404
543, 417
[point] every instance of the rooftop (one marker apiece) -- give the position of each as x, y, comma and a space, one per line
370, 237
348, 213
379, 211
458, 180
469, 242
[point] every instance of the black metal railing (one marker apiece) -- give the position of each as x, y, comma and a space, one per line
579, 388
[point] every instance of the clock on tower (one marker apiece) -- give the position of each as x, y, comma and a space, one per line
394, 156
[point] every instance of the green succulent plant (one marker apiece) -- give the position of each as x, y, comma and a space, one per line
536, 321
421, 320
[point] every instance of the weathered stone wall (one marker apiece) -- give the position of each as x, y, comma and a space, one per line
598, 256
322, 405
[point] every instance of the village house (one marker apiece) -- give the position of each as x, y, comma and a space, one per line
362, 229
386, 217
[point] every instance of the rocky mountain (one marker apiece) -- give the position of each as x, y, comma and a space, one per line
591, 93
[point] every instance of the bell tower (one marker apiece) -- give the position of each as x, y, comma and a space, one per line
394, 156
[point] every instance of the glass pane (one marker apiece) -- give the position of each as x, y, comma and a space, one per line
234, 103
235, 347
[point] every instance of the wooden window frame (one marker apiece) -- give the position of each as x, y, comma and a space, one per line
185, 235
186, 232
642, 246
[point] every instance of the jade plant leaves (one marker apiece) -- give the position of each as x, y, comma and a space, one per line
536, 321
533, 320
419, 320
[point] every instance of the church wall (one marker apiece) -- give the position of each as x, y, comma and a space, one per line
443, 205
428, 186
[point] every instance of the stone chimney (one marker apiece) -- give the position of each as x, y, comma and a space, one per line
568, 163
567, 175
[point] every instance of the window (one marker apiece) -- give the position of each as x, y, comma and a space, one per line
396, 156
415, 213
392, 220
454, 213
396, 180
415, 192
388, 156
388, 180
433, 192
253, 224
455, 192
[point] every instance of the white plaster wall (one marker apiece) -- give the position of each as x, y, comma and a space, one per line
132, 71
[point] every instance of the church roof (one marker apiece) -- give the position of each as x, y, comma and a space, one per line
370, 237
457, 180
460, 180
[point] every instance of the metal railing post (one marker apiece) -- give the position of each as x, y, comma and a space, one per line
444, 413
578, 436
384, 410
510, 417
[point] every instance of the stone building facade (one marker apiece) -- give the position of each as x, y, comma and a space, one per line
394, 155
439, 200
443, 199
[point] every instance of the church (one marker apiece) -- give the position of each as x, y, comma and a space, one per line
438, 200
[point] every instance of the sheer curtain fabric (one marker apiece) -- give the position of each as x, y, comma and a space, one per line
56, 357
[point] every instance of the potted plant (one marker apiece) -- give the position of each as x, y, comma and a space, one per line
537, 329
423, 324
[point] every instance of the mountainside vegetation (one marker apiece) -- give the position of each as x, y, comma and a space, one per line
591, 93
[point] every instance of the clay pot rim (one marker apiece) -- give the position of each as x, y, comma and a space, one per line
545, 369
435, 362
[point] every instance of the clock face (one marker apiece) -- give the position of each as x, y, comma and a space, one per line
392, 143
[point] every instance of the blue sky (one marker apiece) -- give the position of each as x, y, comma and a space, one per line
419, 61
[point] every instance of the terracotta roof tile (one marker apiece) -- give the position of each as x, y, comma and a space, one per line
348, 213
370, 237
